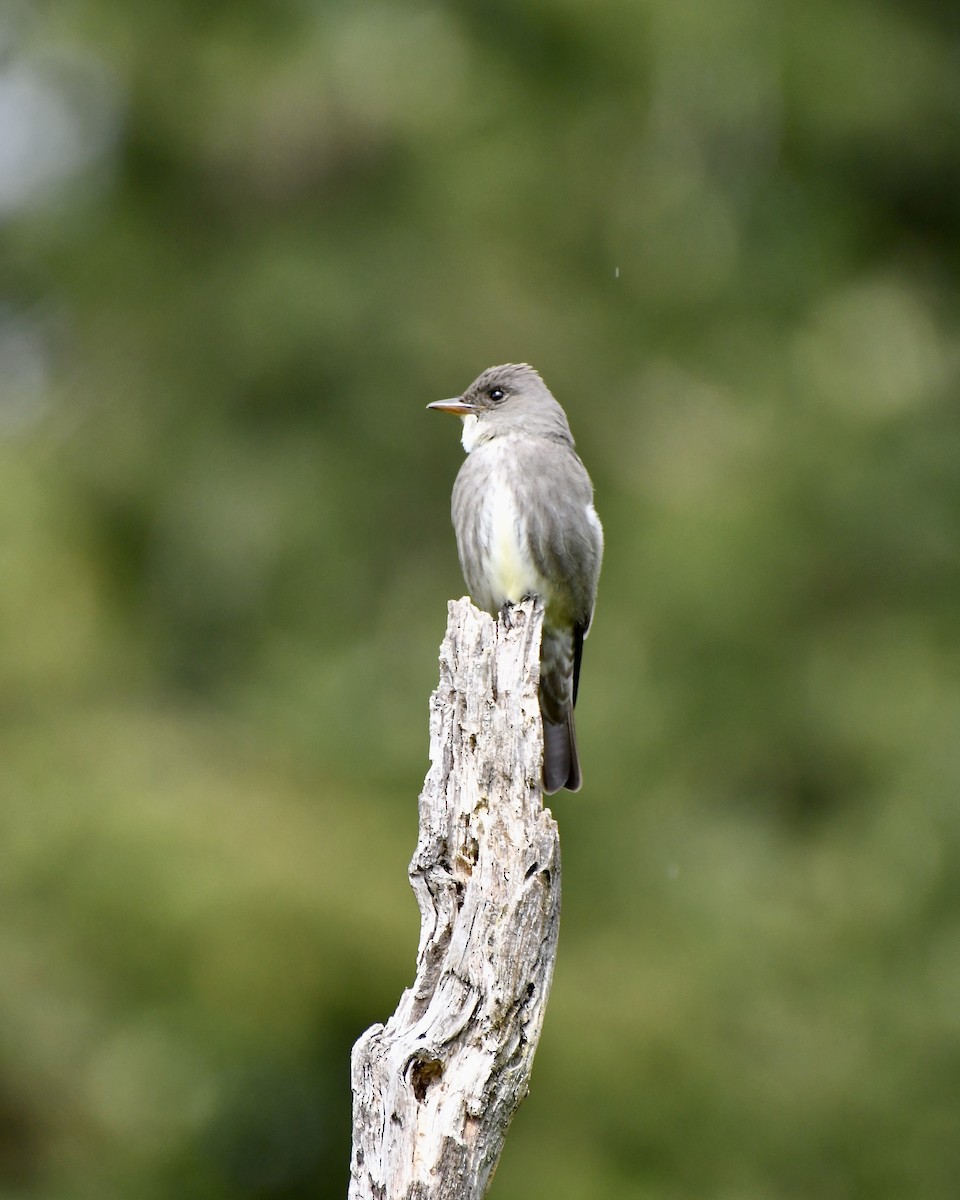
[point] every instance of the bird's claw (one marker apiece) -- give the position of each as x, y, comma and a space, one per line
506, 609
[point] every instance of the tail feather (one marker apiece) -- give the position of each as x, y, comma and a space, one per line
561, 765
560, 650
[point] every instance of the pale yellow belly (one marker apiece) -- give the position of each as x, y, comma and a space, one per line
509, 568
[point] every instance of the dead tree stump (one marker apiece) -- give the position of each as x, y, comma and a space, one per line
436, 1087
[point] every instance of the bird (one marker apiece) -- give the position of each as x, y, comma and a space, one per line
523, 512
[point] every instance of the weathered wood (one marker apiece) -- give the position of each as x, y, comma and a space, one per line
436, 1087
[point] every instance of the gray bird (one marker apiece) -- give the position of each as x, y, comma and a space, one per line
526, 526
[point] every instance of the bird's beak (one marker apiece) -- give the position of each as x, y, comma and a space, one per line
456, 405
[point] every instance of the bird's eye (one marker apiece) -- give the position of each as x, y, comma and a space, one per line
496, 393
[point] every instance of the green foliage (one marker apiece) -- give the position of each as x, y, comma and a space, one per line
251, 243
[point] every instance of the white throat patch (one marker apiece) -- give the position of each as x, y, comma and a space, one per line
470, 434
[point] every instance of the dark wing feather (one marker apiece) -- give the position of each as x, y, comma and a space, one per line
578, 635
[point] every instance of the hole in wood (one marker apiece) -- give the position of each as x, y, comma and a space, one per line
424, 1072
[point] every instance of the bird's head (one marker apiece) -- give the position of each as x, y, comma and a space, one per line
499, 399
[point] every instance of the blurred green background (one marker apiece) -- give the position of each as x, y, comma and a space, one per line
242, 244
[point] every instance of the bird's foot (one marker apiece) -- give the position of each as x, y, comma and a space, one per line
506, 609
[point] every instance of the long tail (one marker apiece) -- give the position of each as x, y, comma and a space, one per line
561, 766
559, 663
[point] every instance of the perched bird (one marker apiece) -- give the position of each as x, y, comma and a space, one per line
526, 526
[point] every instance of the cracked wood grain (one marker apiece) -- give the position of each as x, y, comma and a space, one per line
435, 1088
